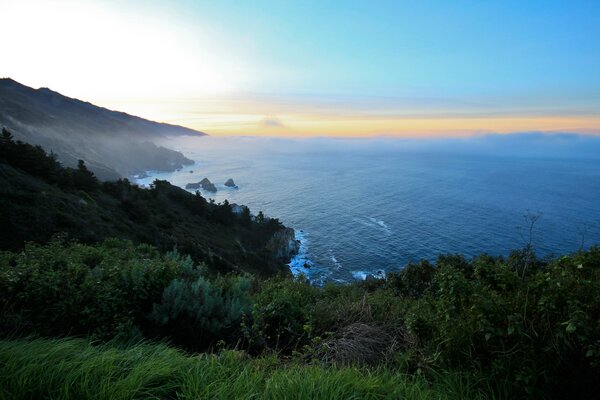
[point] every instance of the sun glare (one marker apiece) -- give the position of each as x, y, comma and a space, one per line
89, 51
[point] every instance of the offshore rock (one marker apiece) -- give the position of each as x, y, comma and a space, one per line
230, 183
208, 185
204, 184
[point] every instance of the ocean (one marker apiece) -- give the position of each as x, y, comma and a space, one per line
369, 206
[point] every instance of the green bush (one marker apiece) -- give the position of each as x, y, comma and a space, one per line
540, 330
195, 310
103, 290
282, 314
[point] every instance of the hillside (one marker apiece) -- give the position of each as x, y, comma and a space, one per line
113, 144
39, 198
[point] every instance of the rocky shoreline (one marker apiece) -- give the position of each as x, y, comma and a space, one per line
283, 245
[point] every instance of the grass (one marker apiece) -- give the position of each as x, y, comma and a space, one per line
76, 369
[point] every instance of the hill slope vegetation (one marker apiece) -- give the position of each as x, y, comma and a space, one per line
40, 198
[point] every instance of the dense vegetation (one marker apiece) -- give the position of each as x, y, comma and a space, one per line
487, 327
40, 198
528, 329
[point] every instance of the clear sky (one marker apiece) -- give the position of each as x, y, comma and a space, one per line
340, 68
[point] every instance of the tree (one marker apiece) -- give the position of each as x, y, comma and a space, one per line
83, 178
6, 144
7, 137
528, 252
246, 217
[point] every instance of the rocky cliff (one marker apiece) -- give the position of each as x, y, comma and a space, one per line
283, 244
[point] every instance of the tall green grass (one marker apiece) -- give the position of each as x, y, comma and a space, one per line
76, 369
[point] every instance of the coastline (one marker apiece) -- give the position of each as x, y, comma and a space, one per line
297, 262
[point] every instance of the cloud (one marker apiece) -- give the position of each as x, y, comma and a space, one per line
272, 122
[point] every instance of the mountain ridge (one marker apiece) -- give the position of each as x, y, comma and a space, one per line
113, 143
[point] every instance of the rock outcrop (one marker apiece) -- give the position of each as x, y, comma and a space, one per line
208, 185
205, 184
230, 183
284, 245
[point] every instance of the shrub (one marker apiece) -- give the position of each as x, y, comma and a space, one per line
195, 311
73, 288
282, 315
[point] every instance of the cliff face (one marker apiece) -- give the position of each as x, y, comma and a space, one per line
283, 244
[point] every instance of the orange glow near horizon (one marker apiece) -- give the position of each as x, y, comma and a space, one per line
405, 127
224, 118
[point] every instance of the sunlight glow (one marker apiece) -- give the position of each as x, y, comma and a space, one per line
90, 51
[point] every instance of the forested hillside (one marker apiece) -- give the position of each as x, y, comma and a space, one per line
40, 198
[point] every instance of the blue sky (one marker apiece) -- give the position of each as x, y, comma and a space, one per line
456, 47
315, 66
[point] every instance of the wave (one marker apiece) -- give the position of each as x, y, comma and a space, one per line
374, 223
336, 263
363, 275
298, 264
360, 275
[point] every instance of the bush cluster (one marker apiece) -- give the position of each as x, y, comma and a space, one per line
118, 289
535, 327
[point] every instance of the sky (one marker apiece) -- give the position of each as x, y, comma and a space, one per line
318, 68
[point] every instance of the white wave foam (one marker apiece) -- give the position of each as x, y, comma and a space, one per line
360, 275
363, 275
336, 263
299, 261
374, 223
380, 223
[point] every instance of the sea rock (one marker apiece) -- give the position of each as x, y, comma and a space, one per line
193, 186
230, 183
208, 185
204, 184
283, 244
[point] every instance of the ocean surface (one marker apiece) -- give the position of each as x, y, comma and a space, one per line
365, 207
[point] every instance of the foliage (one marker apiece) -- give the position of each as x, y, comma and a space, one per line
537, 329
282, 314
39, 198
105, 290
480, 317
195, 310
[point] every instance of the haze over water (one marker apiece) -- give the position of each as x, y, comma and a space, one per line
362, 206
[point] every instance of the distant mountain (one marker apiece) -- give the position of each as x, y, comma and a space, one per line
113, 144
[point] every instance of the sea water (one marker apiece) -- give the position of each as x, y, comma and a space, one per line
369, 206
